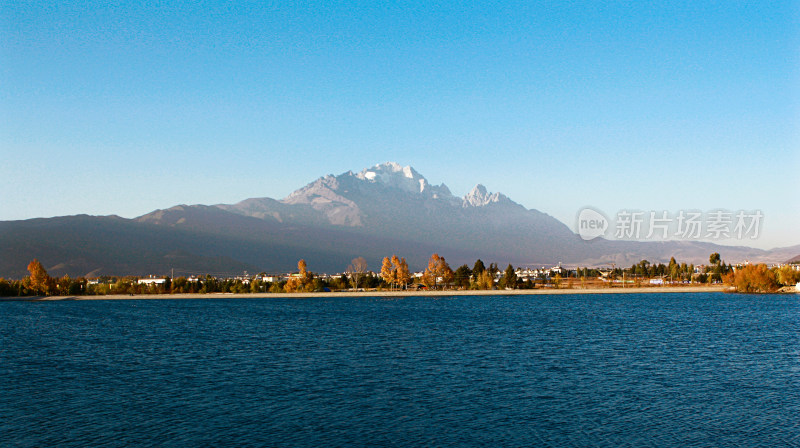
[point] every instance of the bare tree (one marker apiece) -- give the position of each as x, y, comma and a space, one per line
357, 268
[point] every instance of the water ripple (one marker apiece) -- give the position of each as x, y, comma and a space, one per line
594, 370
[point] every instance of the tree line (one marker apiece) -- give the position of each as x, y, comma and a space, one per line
395, 274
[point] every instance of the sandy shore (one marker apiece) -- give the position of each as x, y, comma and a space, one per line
449, 293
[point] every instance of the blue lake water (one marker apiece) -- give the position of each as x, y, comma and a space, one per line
579, 370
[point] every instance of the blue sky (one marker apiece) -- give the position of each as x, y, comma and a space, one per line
126, 108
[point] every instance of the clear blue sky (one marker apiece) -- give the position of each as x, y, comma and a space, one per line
122, 109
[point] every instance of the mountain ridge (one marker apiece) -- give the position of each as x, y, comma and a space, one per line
382, 210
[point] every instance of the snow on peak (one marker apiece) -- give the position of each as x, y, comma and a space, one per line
392, 174
479, 197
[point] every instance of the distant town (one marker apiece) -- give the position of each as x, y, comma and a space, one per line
395, 275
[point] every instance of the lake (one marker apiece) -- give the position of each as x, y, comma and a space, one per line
702, 369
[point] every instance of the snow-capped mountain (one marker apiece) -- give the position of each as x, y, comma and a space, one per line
382, 210
357, 199
479, 197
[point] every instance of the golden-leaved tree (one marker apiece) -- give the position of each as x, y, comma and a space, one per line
755, 278
484, 280
395, 271
437, 267
402, 274
388, 272
787, 276
38, 281
304, 281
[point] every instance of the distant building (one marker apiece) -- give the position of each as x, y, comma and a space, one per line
151, 281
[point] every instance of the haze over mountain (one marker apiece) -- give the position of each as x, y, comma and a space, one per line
383, 210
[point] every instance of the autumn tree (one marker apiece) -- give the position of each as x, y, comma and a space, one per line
293, 285
357, 268
755, 278
304, 281
787, 276
402, 274
447, 274
306, 278
484, 280
389, 272
437, 267
255, 285
428, 275
38, 281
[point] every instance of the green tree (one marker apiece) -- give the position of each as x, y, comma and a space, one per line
643, 268
509, 278
674, 269
6, 289
461, 276
478, 268
714, 258
344, 283
64, 285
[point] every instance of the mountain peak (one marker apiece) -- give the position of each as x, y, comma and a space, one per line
392, 174
480, 197
405, 178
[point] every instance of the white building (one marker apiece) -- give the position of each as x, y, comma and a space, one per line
151, 281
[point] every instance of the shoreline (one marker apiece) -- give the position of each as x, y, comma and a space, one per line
448, 293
